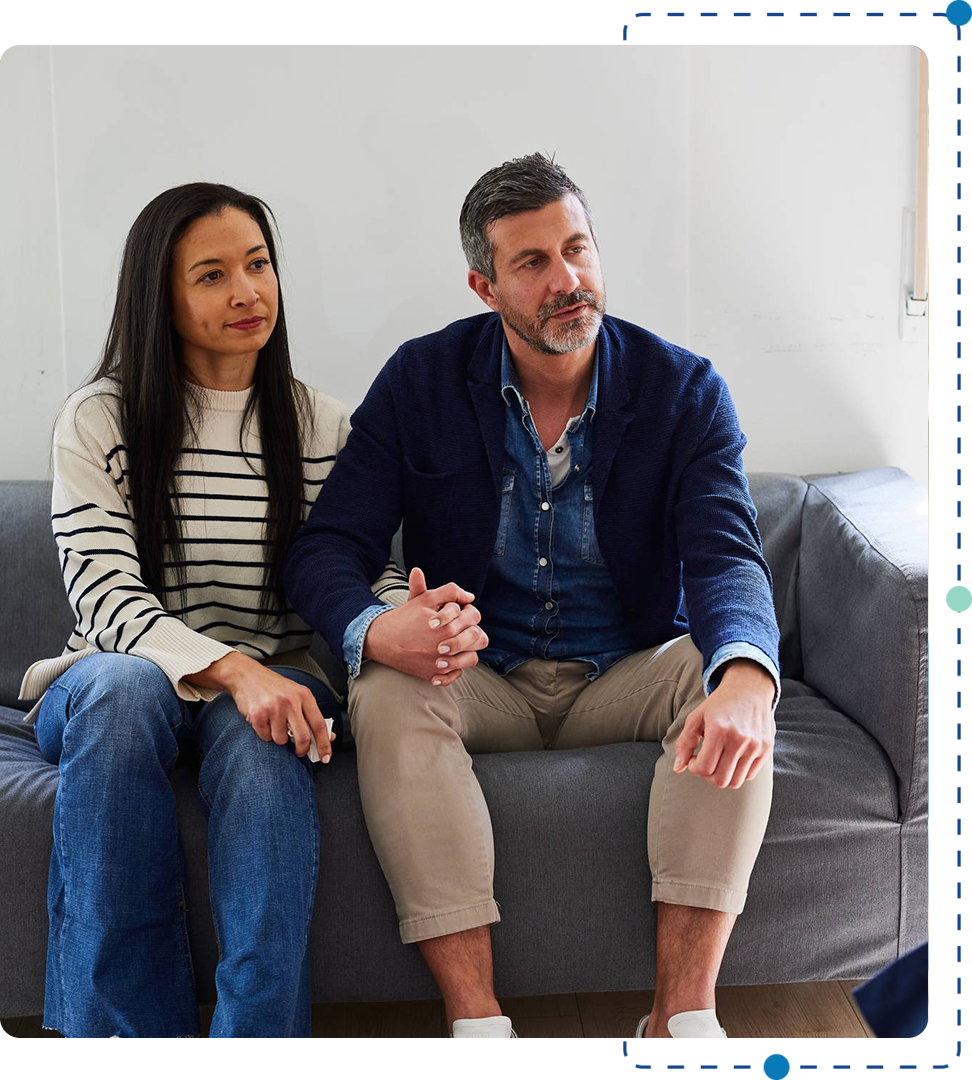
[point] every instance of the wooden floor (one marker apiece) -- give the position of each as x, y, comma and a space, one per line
794, 1010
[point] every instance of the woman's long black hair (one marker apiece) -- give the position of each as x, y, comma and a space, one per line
143, 355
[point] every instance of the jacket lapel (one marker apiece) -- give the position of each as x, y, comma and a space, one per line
483, 378
611, 418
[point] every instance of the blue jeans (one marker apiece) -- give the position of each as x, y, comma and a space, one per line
118, 960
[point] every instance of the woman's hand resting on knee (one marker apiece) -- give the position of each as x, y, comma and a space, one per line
271, 704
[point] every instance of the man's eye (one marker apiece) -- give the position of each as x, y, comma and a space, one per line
533, 262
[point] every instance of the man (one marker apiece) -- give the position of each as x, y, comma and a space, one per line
573, 472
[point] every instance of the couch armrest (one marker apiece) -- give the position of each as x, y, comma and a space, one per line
863, 601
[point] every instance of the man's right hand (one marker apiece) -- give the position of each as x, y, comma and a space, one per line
434, 636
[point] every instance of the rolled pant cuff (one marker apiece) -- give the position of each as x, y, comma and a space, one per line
704, 896
449, 922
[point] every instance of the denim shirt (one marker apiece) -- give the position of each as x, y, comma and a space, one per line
548, 593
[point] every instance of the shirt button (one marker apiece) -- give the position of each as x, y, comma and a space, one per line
577, 468
548, 606
559, 450
543, 562
545, 506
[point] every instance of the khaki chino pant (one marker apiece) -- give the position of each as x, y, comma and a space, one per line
426, 813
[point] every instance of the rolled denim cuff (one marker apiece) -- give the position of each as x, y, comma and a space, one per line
354, 636
733, 651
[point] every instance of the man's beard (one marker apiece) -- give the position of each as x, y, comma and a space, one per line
556, 338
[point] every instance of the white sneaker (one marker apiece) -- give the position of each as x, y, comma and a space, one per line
488, 1027
699, 1024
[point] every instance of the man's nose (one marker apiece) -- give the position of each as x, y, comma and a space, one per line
564, 278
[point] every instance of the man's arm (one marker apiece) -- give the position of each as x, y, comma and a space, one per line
727, 582
729, 599
344, 544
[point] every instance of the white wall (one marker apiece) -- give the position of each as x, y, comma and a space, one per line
801, 162
748, 205
31, 350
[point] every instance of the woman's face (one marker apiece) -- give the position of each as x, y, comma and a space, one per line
224, 290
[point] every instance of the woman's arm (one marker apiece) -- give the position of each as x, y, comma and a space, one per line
273, 705
95, 535
116, 612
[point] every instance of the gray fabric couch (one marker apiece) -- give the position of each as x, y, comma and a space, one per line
839, 888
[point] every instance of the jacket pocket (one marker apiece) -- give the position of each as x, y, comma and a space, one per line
506, 501
590, 552
430, 493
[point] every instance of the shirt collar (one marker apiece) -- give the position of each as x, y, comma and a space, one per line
510, 381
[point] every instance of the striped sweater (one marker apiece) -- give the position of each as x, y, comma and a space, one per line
222, 499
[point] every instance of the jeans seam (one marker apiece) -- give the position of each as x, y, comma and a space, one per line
184, 930
219, 944
60, 966
316, 866
204, 796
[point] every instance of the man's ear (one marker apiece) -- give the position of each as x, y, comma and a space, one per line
483, 288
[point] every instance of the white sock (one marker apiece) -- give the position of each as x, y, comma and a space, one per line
488, 1027
699, 1038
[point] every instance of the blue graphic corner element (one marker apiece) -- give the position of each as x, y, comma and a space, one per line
958, 16
799, 27
776, 1066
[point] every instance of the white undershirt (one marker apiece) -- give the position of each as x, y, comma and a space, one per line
558, 456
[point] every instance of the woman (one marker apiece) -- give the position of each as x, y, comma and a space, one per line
181, 473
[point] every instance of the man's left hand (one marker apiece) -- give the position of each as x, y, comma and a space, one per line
735, 724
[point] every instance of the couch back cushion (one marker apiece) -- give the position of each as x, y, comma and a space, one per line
35, 618
779, 499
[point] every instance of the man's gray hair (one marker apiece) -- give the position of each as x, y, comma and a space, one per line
526, 183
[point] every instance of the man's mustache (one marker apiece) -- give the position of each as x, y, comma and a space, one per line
581, 296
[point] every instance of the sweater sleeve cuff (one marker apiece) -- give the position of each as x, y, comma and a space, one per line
354, 636
735, 650
179, 651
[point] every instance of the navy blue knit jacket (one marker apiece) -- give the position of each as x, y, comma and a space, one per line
671, 502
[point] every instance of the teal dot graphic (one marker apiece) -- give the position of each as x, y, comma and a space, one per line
958, 12
776, 1066
959, 598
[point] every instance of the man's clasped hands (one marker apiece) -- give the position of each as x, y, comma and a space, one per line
436, 636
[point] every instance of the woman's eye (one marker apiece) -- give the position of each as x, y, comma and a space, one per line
262, 262
208, 277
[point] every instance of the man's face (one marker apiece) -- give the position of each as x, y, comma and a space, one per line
548, 286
